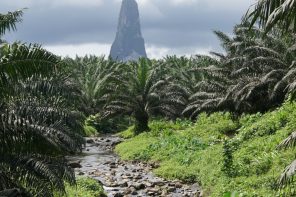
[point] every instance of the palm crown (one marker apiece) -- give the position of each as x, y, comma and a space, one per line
146, 90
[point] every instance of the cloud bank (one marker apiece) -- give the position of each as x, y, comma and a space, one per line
181, 27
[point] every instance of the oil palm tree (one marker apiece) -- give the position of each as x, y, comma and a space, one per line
8, 21
94, 77
258, 64
196, 86
254, 74
37, 124
146, 90
274, 12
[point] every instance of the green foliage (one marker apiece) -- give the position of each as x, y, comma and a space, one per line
231, 194
89, 131
198, 152
42, 99
89, 128
254, 75
222, 122
8, 21
228, 167
39, 123
128, 133
274, 12
96, 78
109, 125
135, 148
86, 187
146, 90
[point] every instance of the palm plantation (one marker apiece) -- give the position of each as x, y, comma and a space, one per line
224, 120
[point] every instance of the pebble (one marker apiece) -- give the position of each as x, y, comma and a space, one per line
139, 186
122, 178
90, 141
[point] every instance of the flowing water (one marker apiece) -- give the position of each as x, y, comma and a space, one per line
121, 178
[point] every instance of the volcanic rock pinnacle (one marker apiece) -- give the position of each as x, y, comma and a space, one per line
129, 43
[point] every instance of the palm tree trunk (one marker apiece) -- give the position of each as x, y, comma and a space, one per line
141, 123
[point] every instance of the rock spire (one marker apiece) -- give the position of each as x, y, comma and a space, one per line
129, 43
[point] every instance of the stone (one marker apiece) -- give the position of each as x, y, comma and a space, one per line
107, 162
134, 192
178, 185
127, 191
164, 193
129, 43
151, 193
75, 164
195, 187
157, 183
126, 177
137, 176
113, 166
148, 184
171, 189
81, 173
90, 141
155, 165
139, 186
123, 184
118, 195
172, 184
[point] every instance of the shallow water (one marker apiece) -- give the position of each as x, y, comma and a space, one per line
125, 178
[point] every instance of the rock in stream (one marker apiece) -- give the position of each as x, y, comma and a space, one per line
121, 178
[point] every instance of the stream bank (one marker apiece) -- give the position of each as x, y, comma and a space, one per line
121, 178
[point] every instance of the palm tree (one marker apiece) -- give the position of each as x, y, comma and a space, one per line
8, 21
38, 124
256, 66
145, 90
274, 12
198, 87
253, 75
94, 77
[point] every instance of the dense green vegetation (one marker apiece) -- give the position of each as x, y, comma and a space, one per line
225, 120
38, 122
85, 187
249, 164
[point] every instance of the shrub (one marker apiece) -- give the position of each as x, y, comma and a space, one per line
86, 187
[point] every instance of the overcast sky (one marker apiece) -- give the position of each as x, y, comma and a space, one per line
70, 27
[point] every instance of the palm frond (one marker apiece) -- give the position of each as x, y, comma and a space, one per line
8, 21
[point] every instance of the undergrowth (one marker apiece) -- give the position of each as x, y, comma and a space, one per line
223, 155
86, 187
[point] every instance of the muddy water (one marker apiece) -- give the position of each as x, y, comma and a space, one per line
121, 178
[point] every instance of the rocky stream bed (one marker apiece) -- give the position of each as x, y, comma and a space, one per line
121, 178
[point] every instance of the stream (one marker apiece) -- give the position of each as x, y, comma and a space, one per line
120, 178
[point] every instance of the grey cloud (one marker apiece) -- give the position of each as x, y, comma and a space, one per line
163, 24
